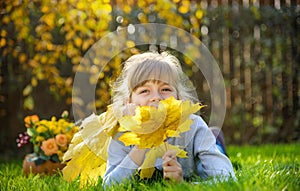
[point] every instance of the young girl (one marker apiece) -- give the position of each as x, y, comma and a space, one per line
147, 79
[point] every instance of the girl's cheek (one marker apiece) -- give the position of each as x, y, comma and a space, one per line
129, 109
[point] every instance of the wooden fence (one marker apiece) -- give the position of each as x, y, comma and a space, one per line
258, 50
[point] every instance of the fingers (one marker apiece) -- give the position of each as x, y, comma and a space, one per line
177, 177
170, 154
137, 155
171, 167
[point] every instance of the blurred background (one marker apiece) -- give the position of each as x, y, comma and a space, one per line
256, 44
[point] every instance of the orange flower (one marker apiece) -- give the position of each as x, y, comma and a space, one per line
49, 147
30, 120
61, 140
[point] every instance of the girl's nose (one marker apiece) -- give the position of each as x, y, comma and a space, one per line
156, 97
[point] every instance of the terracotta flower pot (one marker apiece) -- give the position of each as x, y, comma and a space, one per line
47, 167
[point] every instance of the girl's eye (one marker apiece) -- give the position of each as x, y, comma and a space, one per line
167, 90
143, 91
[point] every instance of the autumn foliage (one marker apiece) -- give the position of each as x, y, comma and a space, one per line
47, 39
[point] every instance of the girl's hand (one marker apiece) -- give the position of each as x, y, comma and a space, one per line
129, 109
171, 167
137, 155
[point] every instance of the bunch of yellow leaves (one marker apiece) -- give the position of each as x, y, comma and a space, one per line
150, 127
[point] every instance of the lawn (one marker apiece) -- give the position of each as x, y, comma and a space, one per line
266, 167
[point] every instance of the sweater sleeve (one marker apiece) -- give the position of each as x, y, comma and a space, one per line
212, 163
119, 164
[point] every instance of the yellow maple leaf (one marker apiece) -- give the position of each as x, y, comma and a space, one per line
150, 126
146, 120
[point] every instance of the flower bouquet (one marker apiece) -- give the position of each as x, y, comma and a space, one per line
50, 139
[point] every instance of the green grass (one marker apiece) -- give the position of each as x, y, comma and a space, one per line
266, 167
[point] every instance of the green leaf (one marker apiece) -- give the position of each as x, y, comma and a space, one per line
31, 132
29, 103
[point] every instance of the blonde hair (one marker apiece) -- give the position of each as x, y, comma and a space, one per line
151, 66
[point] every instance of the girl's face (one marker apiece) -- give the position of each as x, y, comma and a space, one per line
151, 92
